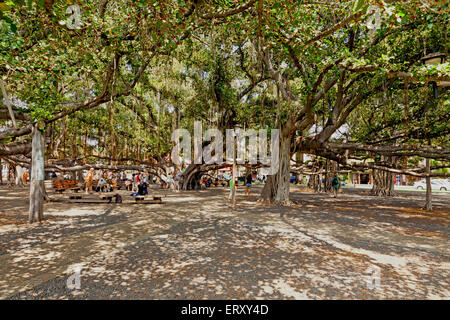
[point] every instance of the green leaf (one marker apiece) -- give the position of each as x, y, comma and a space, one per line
358, 5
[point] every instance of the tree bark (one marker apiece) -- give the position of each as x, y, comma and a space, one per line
15, 148
233, 191
19, 176
8, 103
191, 177
327, 185
314, 182
428, 201
383, 181
37, 192
10, 176
282, 186
268, 192
276, 189
15, 132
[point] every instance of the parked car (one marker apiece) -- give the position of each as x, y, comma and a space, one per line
436, 184
445, 184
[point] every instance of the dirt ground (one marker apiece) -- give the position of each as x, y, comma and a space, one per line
194, 246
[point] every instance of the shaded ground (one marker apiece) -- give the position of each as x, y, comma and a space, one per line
194, 246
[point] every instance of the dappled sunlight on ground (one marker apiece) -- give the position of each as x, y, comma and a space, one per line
195, 246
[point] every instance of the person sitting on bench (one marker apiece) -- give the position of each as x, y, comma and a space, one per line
128, 185
142, 190
102, 185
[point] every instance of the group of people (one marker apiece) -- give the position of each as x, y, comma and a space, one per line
102, 179
171, 181
137, 183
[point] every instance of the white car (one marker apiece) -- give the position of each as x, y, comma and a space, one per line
445, 184
436, 184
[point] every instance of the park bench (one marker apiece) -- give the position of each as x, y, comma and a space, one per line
101, 198
110, 197
63, 185
142, 199
111, 182
120, 184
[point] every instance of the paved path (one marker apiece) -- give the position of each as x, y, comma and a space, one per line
196, 247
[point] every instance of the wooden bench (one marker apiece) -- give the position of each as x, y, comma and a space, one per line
101, 198
120, 184
109, 197
112, 183
141, 199
63, 185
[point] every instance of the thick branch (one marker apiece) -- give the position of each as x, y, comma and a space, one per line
14, 148
15, 132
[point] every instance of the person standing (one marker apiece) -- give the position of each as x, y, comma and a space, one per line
89, 179
335, 184
25, 176
248, 184
231, 189
176, 182
134, 182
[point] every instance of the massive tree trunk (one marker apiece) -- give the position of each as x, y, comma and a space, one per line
428, 201
11, 178
268, 191
383, 184
19, 176
57, 142
191, 177
383, 181
328, 175
282, 190
314, 182
277, 186
37, 192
